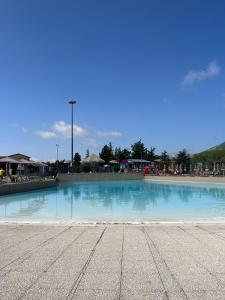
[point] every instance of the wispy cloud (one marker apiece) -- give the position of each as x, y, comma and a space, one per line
103, 134
212, 70
20, 127
91, 143
46, 134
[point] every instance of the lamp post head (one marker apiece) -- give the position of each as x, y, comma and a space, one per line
72, 102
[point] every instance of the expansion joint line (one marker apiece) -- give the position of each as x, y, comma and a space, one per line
121, 266
211, 233
199, 263
150, 240
31, 251
188, 233
82, 272
52, 263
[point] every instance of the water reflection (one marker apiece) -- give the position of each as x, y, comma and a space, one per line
101, 200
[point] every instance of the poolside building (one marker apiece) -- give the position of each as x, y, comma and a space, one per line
20, 164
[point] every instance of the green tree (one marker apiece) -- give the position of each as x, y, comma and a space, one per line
107, 153
164, 157
151, 156
138, 150
87, 153
183, 160
125, 154
121, 154
117, 153
77, 159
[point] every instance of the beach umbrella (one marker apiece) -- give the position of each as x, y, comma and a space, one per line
113, 162
93, 159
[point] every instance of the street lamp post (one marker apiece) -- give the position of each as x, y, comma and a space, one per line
57, 156
57, 152
72, 102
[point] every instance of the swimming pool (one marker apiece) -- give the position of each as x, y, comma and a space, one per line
117, 201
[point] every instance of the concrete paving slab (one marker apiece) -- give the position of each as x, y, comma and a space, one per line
96, 295
101, 265
185, 266
142, 281
100, 281
121, 262
15, 284
199, 282
38, 293
141, 266
142, 295
206, 295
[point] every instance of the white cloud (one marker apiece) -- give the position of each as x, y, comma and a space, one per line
193, 76
103, 134
60, 129
46, 134
63, 130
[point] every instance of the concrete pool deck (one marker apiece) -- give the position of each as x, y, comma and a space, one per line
187, 179
112, 262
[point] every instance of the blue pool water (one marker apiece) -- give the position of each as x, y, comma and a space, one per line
114, 201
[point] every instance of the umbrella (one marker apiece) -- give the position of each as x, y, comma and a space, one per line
113, 162
93, 158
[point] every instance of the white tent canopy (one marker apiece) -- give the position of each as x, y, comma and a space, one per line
93, 158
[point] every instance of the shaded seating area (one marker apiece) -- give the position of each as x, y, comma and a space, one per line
19, 168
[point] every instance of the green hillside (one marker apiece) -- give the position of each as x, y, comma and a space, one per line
218, 147
209, 156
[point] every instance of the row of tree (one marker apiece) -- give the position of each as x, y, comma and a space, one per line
139, 151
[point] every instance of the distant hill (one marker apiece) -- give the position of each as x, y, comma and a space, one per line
218, 147
212, 154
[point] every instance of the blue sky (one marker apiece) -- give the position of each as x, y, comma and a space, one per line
138, 69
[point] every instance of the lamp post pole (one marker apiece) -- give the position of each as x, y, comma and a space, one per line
72, 102
57, 152
57, 156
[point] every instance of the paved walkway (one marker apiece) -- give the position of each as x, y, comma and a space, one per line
112, 262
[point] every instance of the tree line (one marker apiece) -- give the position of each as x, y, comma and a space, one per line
138, 150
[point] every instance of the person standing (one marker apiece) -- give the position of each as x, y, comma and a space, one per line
1, 174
